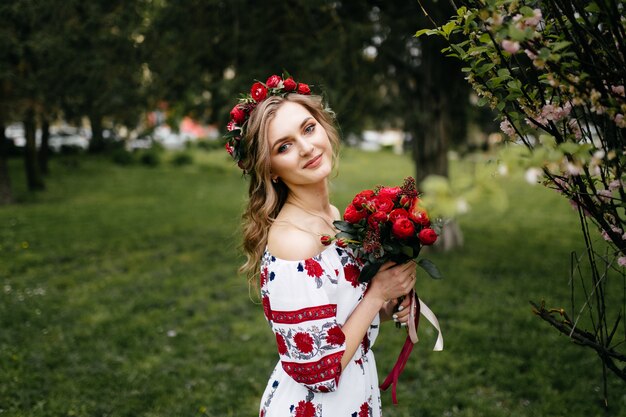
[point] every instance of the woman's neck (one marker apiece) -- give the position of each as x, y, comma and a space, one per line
312, 199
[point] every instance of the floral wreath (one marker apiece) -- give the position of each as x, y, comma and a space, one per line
239, 115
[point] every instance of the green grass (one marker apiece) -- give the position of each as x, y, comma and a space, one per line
119, 297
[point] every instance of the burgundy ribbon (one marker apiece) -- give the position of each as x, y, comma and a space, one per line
403, 357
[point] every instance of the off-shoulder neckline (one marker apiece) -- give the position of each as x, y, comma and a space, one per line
331, 246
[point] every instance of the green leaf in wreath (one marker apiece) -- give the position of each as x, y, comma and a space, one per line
430, 268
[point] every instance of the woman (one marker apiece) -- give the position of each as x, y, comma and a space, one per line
323, 319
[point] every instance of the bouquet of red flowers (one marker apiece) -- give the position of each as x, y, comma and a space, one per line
386, 224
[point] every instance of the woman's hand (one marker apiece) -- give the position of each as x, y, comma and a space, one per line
396, 310
392, 281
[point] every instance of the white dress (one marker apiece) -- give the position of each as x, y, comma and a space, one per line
306, 303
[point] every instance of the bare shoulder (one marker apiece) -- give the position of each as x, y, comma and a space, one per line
286, 241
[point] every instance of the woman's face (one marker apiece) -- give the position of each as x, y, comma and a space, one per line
300, 152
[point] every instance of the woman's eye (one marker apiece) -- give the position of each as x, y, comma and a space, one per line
282, 148
309, 128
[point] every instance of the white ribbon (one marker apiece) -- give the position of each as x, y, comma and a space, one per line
428, 315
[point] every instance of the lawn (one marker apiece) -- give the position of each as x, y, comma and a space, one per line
119, 297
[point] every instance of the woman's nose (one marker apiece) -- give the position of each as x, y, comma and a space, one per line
305, 147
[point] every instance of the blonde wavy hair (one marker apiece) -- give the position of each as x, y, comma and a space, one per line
266, 198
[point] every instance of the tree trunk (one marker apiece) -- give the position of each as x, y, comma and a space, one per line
6, 196
33, 175
44, 149
96, 144
442, 121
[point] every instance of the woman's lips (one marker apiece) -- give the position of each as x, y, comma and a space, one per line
312, 163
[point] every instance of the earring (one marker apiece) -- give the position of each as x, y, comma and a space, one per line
275, 180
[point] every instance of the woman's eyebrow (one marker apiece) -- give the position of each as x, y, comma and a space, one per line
306, 119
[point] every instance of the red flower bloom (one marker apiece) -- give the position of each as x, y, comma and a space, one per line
273, 81
365, 410
405, 201
258, 92
398, 213
352, 215
383, 203
390, 192
303, 89
419, 216
335, 336
237, 114
305, 409
231, 126
289, 84
280, 342
341, 242
362, 198
376, 218
229, 148
304, 342
351, 272
326, 240
313, 268
427, 236
403, 228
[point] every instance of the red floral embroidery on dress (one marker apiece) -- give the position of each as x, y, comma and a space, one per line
266, 307
335, 336
366, 344
305, 314
280, 342
263, 277
352, 272
304, 342
365, 410
327, 368
305, 409
313, 268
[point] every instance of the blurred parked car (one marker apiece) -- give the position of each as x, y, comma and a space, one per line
67, 138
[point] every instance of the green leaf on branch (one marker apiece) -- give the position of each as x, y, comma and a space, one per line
426, 32
557, 46
430, 268
592, 7
448, 28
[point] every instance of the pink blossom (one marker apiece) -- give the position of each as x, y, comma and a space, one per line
530, 54
619, 120
573, 169
618, 89
605, 236
510, 46
621, 261
605, 195
535, 19
624, 236
617, 230
615, 184
507, 128
575, 128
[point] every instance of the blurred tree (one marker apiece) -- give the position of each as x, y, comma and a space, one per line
101, 59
